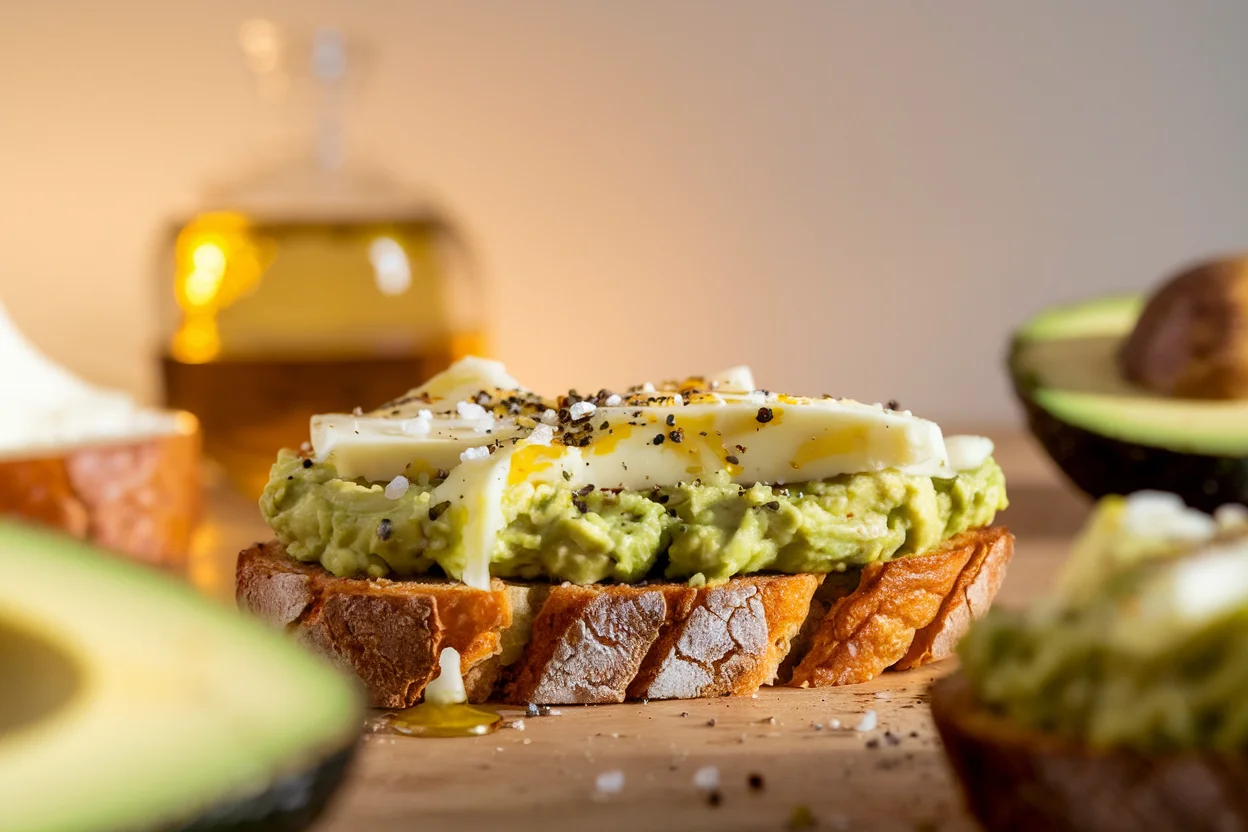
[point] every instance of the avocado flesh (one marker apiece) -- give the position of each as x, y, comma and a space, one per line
1110, 437
1065, 360
165, 706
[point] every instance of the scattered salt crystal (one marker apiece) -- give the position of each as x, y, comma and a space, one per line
614, 400
610, 782
706, 778
834, 724
470, 454
306, 447
419, 426
397, 487
424, 414
580, 410
868, 722
647, 387
357, 411
550, 417
527, 741
542, 435
756, 397
517, 724
470, 410
678, 399
883, 694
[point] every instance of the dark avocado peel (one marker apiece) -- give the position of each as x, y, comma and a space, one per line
129, 702
1111, 436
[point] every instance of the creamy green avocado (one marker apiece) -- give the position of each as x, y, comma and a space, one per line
1145, 643
711, 529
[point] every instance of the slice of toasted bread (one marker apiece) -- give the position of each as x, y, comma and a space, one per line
1020, 780
140, 498
908, 611
567, 644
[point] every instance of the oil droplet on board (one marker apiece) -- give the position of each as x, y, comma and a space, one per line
430, 720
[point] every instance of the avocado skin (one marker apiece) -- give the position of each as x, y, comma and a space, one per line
292, 802
1099, 466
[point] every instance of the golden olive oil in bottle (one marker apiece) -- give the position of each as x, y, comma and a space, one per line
310, 284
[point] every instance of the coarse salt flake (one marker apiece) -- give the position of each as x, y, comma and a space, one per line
542, 435
581, 409
868, 722
706, 778
470, 454
424, 414
610, 782
614, 400
397, 487
470, 410
418, 426
550, 417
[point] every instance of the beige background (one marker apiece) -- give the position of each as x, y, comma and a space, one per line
858, 198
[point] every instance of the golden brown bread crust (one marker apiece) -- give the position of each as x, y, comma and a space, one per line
908, 611
1019, 780
139, 498
568, 644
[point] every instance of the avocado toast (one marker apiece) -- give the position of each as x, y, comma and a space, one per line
696, 539
1120, 701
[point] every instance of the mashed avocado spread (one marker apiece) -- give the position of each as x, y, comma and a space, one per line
1145, 643
710, 528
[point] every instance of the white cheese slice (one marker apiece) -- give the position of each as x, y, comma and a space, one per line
783, 439
475, 491
966, 453
422, 431
379, 449
737, 379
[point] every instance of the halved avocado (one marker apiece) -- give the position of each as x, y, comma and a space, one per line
1110, 436
129, 702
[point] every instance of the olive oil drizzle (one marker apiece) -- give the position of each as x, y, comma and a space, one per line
433, 720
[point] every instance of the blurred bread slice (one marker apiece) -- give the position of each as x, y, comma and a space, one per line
139, 496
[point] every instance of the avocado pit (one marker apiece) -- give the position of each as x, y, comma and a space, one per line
1191, 339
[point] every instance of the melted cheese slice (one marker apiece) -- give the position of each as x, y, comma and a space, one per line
423, 431
750, 437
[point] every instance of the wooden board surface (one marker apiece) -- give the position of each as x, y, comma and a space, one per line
545, 776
